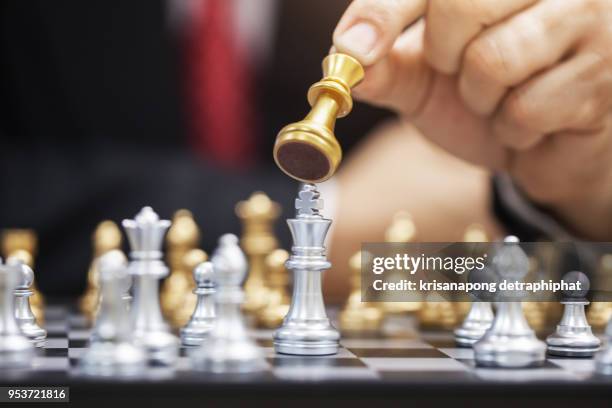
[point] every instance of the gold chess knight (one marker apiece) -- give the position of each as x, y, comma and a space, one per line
106, 237
308, 150
22, 244
257, 215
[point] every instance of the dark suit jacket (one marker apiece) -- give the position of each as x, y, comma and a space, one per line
92, 122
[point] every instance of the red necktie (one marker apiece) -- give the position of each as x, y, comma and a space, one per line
218, 88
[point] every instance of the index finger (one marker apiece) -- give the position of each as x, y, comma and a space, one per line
368, 29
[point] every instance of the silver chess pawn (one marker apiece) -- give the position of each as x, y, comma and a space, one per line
203, 318
111, 351
145, 234
228, 348
306, 330
23, 312
574, 337
480, 317
510, 342
16, 351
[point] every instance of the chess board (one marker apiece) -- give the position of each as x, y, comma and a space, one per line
428, 363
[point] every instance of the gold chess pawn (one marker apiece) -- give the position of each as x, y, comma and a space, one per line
183, 312
272, 315
308, 150
182, 237
438, 314
473, 233
358, 316
600, 312
257, 215
23, 243
401, 229
106, 237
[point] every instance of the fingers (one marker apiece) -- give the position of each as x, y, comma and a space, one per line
574, 97
508, 53
452, 24
369, 28
400, 80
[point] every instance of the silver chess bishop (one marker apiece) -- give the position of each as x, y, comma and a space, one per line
573, 337
203, 318
306, 330
23, 312
145, 234
16, 351
111, 351
510, 342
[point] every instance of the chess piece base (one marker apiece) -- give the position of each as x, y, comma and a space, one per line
110, 359
227, 356
307, 338
603, 361
509, 351
33, 332
576, 342
15, 352
193, 335
160, 347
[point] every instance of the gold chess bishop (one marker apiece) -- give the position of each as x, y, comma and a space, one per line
23, 244
106, 237
257, 215
182, 237
308, 150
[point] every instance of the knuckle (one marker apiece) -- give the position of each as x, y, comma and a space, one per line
382, 13
485, 58
520, 111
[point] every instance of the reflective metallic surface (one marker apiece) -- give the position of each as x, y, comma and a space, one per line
145, 234
574, 336
23, 312
203, 318
228, 348
476, 323
112, 351
306, 330
15, 349
510, 342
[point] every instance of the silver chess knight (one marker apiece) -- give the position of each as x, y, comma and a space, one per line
145, 234
306, 330
111, 350
510, 342
573, 337
23, 313
203, 318
228, 347
15, 349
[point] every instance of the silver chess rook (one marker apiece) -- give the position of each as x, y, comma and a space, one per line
306, 330
145, 234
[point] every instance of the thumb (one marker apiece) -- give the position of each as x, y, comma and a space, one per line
368, 29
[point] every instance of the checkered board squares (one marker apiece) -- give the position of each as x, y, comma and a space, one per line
433, 358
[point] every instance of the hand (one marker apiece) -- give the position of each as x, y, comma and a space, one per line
523, 86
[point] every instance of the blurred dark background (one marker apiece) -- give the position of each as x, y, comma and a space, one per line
96, 119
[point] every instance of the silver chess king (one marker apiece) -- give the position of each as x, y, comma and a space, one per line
306, 330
